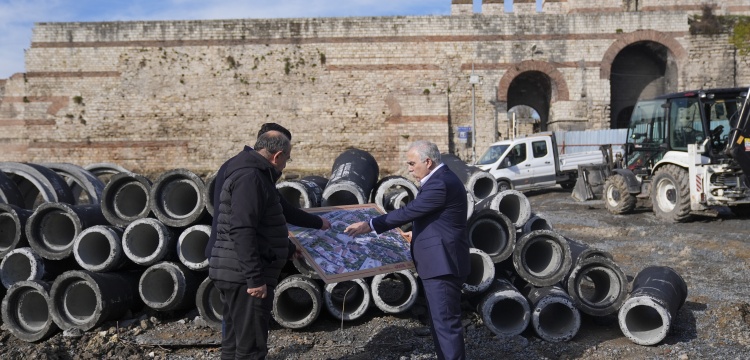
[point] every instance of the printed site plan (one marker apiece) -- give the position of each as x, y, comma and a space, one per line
338, 257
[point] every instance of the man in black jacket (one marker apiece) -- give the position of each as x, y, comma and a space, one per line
251, 244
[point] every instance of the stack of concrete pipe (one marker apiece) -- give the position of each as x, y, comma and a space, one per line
82, 246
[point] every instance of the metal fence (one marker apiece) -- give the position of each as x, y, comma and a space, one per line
589, 140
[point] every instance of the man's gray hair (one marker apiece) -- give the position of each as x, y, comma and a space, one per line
426, 150
273, 141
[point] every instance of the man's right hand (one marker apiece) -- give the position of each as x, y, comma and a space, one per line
259, 292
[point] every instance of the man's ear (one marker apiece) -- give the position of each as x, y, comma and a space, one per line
275, 158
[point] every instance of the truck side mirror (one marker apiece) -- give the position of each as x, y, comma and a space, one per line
629, 148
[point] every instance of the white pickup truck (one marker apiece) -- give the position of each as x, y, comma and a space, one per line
532, 162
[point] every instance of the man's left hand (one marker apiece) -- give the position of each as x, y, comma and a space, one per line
357, 228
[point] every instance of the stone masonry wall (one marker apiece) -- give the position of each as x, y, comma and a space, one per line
159, 95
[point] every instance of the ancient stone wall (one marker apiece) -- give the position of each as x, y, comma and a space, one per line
159, 95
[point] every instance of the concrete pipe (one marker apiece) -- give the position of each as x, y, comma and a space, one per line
395, 292
105, 171
542, 257
9, 192
353, 176
176, 198
125, 198
297, 302
168, 286
53, 227
580, 252
99, 249
393, 192
504, 310
25, 311
37, 184
23, 263
12, 224
86, 187
597, 286
470, 205
493, 233
481, 275
304, 268
191, 247
347, 300
301, 193
209, 304
646, 316
148, 241
536, 222
553, 316
512, 203
83, 299
478, 182
208, 193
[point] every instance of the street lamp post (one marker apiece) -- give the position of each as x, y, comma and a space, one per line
473, 80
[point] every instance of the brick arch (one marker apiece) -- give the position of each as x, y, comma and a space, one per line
628, 39
559, 85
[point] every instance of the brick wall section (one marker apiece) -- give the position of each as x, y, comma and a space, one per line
153, 96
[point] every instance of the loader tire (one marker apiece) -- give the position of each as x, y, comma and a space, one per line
617, 198
670, 194
741, 211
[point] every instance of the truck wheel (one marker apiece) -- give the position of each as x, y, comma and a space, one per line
503, 185
742, 211
670, 194
568, 185
617, 198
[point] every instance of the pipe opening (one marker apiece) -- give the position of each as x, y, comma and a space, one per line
543, 257
294, 304
143, 240
180, 198
598, 285
341, 197
157, 286
79, 302
394, 289
644, 323
16, 267
57, 230
131, 200
293, 196
347, 297
94, 248
193, 246
483, 187
508, 314
8, 232
396, 199
477, 273
489, 236
510, 206
32, 312
557, 320
214, 301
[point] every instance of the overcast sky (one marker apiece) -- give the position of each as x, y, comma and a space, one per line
17, 17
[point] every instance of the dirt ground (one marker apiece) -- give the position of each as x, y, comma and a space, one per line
711, 254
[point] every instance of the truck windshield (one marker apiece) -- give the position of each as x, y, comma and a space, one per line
492, 154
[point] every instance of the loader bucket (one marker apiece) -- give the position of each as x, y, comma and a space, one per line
590, 182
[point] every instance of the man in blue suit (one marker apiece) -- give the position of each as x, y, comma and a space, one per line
439, 245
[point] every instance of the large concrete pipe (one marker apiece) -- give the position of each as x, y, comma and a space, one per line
125, 198
168, 286
470, 205
83, 299
38, 184
580, 251
504, 310
542, 257
536, 222
12, 224
176, 198
99, 249
493, 233
208, 193
86, 187
105, 171
301, 193
25, 311
481, 275
553, 315
148, 241
297, 302
9, 192
23, 263
304, 268
395, 292
53, 227
512, 203
597, 286
347, 300
209, 304
478, 182
353, 176
393, 192
191, 247
646, 316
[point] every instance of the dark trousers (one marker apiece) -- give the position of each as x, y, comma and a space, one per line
443, 295
245, 323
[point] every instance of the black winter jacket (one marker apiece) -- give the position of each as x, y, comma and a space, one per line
252, 243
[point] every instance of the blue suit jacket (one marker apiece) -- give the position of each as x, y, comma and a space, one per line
439, 240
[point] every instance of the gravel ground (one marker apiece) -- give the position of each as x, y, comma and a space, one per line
711, 254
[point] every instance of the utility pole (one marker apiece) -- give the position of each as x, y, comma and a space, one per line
473, 80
